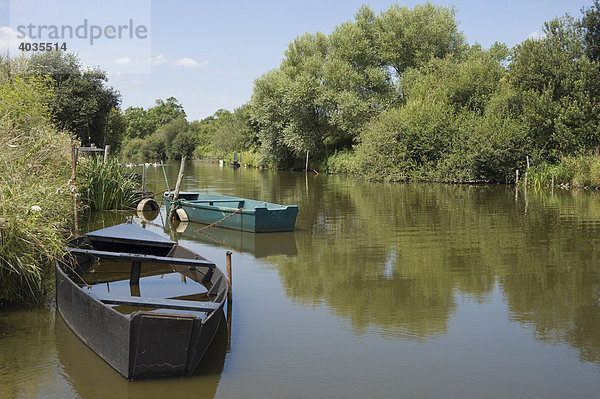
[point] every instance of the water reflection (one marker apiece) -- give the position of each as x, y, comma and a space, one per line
394, 258
429, 290
90, 377
260, 245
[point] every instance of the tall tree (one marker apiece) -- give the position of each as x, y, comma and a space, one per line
82, 101
590, 23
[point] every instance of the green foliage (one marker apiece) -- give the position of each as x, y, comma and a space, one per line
105, 186
341, 162
184, 144
409, 38
580, 171
233, 132
590, 22
561, 90
458, 124
329, 87
116, 131
142, 123
81, 101
35, 164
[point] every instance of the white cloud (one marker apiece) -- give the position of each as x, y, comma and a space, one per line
536, 35
186, 63
203, 64
122, 61
159, 60
9, 39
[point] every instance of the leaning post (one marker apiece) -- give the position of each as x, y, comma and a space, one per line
171, 215
106, 153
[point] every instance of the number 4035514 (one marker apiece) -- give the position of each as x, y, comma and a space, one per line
26, 46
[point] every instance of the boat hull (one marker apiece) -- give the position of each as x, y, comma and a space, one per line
236, 213
143, 344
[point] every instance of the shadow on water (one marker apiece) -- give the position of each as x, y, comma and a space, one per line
91, 377
260, 245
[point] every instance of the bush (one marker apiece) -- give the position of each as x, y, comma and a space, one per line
106, 185
341, 162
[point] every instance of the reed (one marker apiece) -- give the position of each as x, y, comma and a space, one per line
577, 171
35, 210
105, 186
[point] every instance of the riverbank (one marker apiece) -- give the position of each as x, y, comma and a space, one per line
35, 200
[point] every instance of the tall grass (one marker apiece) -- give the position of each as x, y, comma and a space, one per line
35, 202
105, 186
577, 171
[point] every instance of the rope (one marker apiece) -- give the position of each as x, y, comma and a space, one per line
218, 221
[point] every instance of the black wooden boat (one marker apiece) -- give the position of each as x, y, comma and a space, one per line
139, 336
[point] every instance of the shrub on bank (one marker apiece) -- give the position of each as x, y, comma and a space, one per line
35, 202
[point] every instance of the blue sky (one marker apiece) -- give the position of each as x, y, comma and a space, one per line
207, 54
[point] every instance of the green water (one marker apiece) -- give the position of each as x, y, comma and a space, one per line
383, 291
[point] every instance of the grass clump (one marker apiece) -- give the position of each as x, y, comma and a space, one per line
105, 186
35, 202
576, 171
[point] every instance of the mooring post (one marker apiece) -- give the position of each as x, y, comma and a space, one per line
144, 178
229, 285
306, 168
106, 152
74, 187
177, 186
526, 171
165, 174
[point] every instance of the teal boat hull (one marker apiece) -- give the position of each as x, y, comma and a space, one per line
254, 216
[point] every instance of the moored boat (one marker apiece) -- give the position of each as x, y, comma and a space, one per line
233, 212
115, 291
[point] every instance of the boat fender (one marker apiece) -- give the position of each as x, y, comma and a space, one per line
183, 217
147, 204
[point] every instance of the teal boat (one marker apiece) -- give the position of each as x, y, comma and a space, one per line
234, 213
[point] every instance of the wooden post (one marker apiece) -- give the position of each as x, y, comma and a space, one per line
177, 186
553, 185
526, 171
162, 165
144, 178
106, 153
517, 176
229, 277
74, 188
306, 169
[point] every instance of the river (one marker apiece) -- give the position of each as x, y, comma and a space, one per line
383, 291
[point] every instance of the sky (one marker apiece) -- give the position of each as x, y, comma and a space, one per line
207, 54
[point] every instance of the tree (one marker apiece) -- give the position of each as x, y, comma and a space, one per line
234, 133
561, 90
328, 87
166, 111
590, 23
139, 123
81, 102
408, 38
